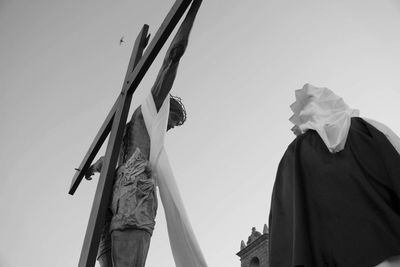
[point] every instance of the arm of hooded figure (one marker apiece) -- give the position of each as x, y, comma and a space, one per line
390, 135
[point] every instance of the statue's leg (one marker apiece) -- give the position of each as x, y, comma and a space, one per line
130, 247
105, 260
104, 251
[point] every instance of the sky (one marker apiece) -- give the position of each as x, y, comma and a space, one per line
61, 69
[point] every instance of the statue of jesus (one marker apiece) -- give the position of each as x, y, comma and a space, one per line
131, 216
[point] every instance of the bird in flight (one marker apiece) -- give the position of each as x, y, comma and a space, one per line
121, 40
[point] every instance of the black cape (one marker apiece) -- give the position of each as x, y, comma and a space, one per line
340, 209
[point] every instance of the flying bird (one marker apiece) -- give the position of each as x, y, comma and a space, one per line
121, 40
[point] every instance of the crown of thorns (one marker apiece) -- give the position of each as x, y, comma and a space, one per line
178, 108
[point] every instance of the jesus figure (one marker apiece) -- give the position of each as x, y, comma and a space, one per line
131, 216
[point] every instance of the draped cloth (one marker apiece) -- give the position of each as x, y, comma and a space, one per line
185, 249
320, 109
336, 197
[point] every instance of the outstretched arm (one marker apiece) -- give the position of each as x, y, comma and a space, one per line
167, 73
94, 168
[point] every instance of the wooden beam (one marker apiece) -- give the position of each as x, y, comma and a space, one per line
105, 184
94, 148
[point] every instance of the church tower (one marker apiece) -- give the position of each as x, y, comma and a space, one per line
255, 252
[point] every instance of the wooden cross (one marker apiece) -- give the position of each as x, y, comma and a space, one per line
114, 125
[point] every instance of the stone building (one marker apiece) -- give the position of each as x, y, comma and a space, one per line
255, 252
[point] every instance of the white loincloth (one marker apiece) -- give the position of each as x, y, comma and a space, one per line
185, 248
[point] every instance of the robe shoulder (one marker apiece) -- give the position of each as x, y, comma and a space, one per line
336, 209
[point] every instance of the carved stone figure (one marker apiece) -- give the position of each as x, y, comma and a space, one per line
254, 235
130, 221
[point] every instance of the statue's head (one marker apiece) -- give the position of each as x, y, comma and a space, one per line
177, 112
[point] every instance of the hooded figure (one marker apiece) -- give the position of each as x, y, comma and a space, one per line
336, 197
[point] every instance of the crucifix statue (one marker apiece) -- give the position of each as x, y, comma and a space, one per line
125, 204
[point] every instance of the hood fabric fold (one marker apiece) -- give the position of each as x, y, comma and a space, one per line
319, 109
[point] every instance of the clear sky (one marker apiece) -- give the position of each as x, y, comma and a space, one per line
61, 69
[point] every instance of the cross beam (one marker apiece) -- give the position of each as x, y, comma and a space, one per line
104, 186
130, 85
115, 123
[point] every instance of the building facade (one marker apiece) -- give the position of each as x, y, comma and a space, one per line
255, 252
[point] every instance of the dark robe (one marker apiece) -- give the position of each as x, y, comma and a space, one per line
340, 209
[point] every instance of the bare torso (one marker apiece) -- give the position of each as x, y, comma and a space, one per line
136, 136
